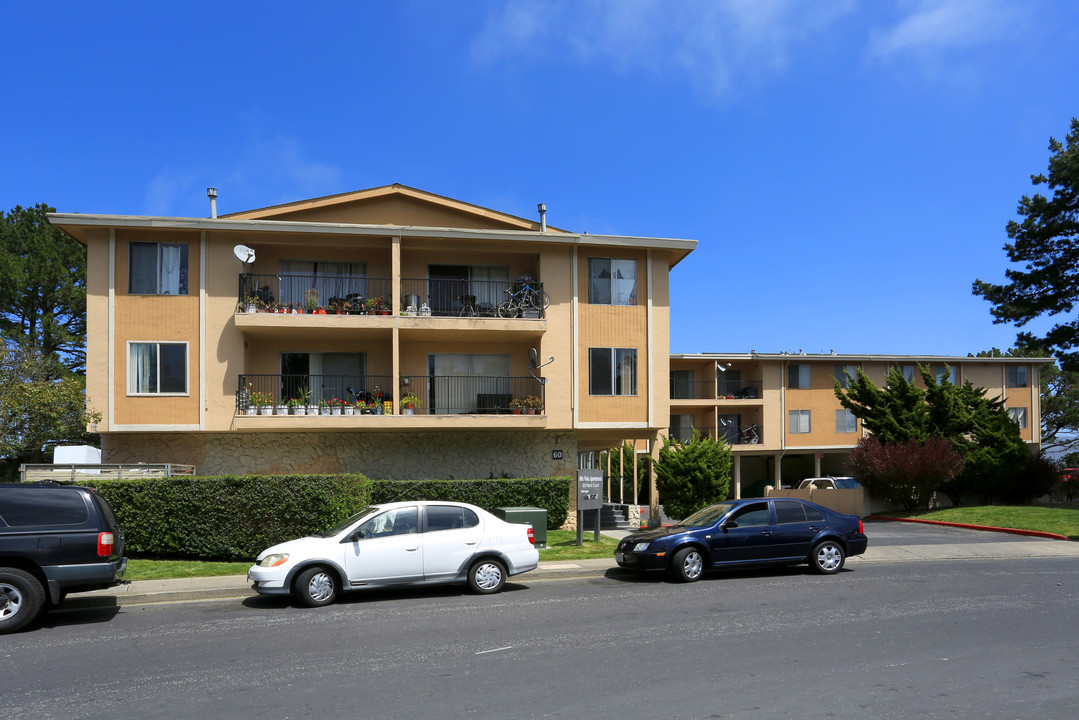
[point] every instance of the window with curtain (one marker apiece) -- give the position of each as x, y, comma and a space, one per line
799, 421
612, 281
1017, 376
156, 368
612, 371
798, 377
845, 421
1018, 416
845, 373
329, 280
157, 268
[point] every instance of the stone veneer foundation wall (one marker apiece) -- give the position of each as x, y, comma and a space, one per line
396, 456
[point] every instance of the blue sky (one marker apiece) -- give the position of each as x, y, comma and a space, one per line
847, 167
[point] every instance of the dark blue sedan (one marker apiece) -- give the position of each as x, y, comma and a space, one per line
740, 533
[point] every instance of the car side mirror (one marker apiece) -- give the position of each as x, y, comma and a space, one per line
730, 524
354, 536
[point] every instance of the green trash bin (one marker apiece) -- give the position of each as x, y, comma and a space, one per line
534, 516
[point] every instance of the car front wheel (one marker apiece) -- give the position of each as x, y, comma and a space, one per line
21, 599
688, 565
316, 587
486, 576
827, 557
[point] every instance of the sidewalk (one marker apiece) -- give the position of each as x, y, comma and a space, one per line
141, 592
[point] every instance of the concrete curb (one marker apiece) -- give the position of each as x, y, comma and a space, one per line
965, 526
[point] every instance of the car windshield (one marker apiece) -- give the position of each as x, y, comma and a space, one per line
846, 483
708, 516
347, 522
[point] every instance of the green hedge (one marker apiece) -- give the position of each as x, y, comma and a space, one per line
236, 517
551, 494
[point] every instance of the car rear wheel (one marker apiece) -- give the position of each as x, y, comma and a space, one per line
487, 576
827, 557
688, 565
316, 587
21, 599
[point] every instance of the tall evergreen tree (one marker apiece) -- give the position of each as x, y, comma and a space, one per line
42, 288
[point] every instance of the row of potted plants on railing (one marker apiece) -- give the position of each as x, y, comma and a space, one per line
264, 404
311, 306
530, 405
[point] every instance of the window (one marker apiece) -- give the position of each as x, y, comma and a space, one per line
841, 373
612, 371
1017, 376
157, 268
401, 521
156, 368
907, 371
789, 512
798, 377
845, 421
321, 282
448, 517
1018, 416
681, 428
799, 421
944, 370
682, 385
755, 515
612, 281
28, 506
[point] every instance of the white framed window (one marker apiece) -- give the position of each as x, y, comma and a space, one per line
157, 268
799, 421
612, 281
845, 421
156, 368
1018, 416
612, 371
1017, 376
841, 373
798, 377
907, 371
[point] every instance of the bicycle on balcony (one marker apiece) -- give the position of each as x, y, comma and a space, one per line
527, 297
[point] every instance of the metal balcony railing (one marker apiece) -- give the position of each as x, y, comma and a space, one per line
474, 298
367, 394
351, 294
707, 390
730, 434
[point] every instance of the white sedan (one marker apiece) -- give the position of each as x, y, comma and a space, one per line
420, 543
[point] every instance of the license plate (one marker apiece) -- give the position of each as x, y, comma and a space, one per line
618, 557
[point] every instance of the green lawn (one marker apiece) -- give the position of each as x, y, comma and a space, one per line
561, 545
1058, 520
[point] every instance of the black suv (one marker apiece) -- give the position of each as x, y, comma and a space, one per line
54, 539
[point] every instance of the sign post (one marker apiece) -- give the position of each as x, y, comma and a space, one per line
589, 497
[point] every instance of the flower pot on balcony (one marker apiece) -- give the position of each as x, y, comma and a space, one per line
335, 410
348, 410
251, 410
266, 410
312, 409
282, 409
299, 409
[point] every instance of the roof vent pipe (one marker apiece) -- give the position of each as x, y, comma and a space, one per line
212, 194
543, 216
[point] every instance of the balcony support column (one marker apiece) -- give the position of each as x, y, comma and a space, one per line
737, 476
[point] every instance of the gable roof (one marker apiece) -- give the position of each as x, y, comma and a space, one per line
391, 205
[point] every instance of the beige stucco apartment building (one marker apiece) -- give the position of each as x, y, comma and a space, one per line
781, 416
186, 339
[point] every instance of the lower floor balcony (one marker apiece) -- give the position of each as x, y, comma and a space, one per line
350, 395
730, 433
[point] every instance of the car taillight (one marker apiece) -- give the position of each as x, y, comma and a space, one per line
860, 528
531, 536
105, 541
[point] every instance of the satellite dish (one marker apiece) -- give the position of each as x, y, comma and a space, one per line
534, 365
533, 358
244, 254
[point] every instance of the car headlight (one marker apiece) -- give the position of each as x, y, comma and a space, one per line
640, 547
273, 560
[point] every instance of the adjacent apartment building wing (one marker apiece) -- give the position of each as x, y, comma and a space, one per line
389, 331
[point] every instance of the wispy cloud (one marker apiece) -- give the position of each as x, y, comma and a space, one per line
939, 31
278, 166
710, 43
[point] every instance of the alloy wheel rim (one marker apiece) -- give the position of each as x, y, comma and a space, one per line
828, 557
320, 587
488, 576
10, 600
693, 565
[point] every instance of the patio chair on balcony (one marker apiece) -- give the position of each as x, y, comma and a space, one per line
468, 305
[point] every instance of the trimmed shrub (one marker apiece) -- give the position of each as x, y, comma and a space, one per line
551, 494
234, 517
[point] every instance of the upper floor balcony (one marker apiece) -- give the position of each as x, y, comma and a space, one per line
686, 389
364, 295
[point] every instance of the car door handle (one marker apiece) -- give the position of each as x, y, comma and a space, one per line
412, 549
471, 543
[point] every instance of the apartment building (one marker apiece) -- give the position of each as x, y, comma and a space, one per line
388, 331
783, 421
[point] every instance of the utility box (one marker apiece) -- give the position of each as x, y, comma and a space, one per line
534, 516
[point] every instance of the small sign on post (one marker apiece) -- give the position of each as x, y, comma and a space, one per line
589, 497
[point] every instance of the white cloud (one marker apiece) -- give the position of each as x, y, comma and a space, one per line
936, 28
711, 43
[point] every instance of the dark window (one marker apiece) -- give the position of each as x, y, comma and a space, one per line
612, 371
445, 517
28, 506
755, 515
157, 268
813, 514
612, 281
789, 512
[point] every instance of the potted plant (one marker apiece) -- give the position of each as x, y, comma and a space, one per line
251, 304
372, 305
310, 299
323, 407
282, 407
517, 405
296, 406
347, 408
409, 401
533, 404
262, 402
